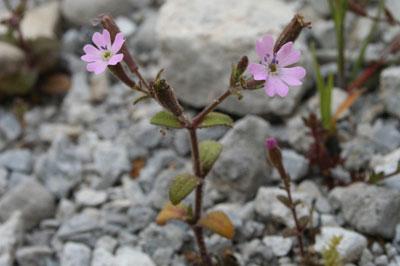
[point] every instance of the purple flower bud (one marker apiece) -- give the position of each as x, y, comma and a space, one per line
271, 143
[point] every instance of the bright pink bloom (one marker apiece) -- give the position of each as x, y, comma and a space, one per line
104, 53
273, 67
271, 143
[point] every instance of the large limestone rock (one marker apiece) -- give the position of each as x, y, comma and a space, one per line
242, 166
369, 209
201, 39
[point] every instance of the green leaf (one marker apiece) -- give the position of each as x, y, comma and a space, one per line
166, 119
141, 98
181, 186
326, 102
284, 200
216, 119
209, 152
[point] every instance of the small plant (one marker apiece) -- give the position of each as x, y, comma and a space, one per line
330, 254
275, 72
275, 157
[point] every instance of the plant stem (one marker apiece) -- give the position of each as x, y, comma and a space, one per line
286, 182
198, 231
199, 118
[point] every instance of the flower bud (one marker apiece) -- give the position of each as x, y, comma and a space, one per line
274, 153
291, 31
109, 24
242, 65
166, 97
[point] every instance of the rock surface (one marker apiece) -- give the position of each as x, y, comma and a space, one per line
351, 246
198, 51
241, 168
369, 209
30, 198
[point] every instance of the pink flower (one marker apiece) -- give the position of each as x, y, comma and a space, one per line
273, 67
104, 53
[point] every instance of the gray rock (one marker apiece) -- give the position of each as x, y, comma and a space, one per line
241, 168
3, 181
128, 256
11, 234
102, 257
155, 237
110, 161
66, 209
50, 131
310, 188
381, 260
32, 199
75, 254
357, 153
83, 227
296, 165
145, 40
394, 7
60, 168
384, 134
389, 84
377, 249
369, 209
140, 217
90, 198
279, 245
256, 253
15, 178
17, 160
200, 72
351, 246
396, 239
32, 25
10, 128
366, 258
34, 256
79, 13
126, 25
271, 209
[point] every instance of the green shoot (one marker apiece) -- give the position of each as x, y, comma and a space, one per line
374, 27
338, 11
330, 255
325, 92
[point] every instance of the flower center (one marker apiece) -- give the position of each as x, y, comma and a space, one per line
273, 68
106, 55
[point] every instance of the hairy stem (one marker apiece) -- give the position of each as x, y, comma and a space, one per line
199, 118
198, 231
286, 182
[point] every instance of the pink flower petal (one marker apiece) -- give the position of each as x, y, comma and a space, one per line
118, 42
90, 58
274, 85
107, 39
292, 75
90, 49
97, 67
287, 55
99, 40
258, 71
115, 59
264, 47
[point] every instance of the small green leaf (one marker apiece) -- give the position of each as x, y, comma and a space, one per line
166, 119
216, 119
181, 186
284, 200
303, 222
209, 152
141, 98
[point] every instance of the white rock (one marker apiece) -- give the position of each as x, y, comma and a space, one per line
269, 207
351, 246
198, 49
11, 233
127, 256
90, 197
296, 165
41, 21
75, 254
280, 245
